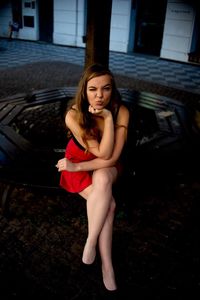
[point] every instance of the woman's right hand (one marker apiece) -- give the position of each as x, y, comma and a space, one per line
65, 165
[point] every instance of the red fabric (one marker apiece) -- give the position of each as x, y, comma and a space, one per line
76, 182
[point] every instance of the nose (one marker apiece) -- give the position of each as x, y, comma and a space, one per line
99, 94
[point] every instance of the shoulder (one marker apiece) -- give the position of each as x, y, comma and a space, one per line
72, 112
71, 116
123, 115
123, 109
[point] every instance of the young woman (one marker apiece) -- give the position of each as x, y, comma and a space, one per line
98, 123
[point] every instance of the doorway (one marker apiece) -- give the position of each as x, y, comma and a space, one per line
17, 12
45, 20
149, 26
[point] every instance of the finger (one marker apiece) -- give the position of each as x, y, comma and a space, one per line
89, 108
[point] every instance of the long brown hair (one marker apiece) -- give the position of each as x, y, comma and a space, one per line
84, 118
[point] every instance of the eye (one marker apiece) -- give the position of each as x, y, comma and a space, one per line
92, 89
107, 89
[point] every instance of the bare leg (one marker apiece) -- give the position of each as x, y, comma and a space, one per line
100, 210
98, 203
105, 248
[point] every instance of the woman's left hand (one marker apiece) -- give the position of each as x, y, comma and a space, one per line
99, 112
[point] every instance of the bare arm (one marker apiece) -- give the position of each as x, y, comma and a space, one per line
102, 149
98, 163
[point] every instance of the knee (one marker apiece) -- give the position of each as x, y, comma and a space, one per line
102, 179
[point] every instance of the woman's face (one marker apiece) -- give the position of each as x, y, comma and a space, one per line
99, 90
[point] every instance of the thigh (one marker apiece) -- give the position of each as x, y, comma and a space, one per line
86, 192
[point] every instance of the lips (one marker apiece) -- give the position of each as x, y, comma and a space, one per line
99, 103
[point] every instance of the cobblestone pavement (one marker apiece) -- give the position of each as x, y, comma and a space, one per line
156, 233
152, 69
41, 75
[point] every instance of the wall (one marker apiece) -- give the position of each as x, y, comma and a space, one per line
70, 18
5, 18
178, 29
68, 22
28, 32
120, 25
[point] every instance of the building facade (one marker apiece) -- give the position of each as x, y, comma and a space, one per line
169, 29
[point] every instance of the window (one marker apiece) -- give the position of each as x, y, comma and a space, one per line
28, 21
27, 4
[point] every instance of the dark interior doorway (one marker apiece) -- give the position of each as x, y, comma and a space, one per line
46, 21
149, 26
17, 12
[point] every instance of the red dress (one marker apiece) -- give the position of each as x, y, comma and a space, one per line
76, 182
